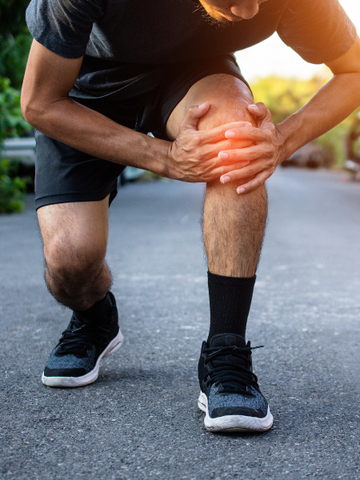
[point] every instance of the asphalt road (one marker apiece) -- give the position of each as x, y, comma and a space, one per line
140, 420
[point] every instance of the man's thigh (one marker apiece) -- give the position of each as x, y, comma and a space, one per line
228, 96
71, 231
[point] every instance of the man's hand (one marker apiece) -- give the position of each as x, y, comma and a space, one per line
263, 154
194, 155
272, 144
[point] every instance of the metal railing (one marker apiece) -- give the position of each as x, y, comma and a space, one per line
22, 149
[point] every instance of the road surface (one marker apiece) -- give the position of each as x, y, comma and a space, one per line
140, 420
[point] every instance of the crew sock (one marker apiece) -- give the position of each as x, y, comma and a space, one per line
99, 311
230, 300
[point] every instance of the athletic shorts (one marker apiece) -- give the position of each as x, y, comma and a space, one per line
64, 174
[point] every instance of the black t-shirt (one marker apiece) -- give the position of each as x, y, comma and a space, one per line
128, 43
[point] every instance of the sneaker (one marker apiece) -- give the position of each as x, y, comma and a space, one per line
75, 360
229, 392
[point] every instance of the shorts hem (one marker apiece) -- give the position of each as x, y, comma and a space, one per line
74, 198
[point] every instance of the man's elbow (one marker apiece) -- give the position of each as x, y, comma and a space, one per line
347, 63
31, 110
28, 109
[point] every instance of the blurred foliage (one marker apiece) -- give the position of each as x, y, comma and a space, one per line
12, 188
15, 40
12, 123
284, 96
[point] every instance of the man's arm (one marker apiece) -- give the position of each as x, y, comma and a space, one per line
273, 144
47, 106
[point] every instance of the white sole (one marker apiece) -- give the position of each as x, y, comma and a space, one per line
71, 382
234, 423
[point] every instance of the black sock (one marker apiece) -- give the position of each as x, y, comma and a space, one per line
100, 311
230, 300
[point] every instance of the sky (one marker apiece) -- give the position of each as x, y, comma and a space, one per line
260, 61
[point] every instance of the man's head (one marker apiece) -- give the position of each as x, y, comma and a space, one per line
224, 11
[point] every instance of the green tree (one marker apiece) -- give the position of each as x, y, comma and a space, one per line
12, 189
15, 40
284, 96
12, 123
14, 46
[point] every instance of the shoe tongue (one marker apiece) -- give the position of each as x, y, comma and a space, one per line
99, 313
227, 340
100, 320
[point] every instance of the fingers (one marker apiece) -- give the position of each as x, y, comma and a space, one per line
195, 112
235, 152
191, 120
252, 152
220, 171
253, 184
248, 171
193, 115
262, 115
259, 110
256, 135
251, 175
242, 129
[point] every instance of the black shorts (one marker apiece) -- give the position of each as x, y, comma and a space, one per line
64, 174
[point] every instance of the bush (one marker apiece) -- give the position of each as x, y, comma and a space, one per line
284, 96
13, 57
15, 40
12, 189
12, 123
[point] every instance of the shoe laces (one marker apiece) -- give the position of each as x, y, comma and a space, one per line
235, 375
77, 338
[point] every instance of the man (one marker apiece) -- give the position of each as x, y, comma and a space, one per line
103, 73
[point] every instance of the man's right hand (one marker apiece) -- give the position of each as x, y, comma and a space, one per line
193, 155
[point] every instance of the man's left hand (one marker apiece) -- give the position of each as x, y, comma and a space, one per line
264, 154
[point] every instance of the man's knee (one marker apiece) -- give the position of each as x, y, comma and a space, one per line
70, 261
75, 241
228, 104
228, 96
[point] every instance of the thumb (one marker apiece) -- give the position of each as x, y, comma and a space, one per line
259, 111
192, 116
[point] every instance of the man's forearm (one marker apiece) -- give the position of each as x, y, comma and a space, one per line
333, 103
93, 133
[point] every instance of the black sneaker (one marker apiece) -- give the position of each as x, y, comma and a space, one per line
229, 392
75, 360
